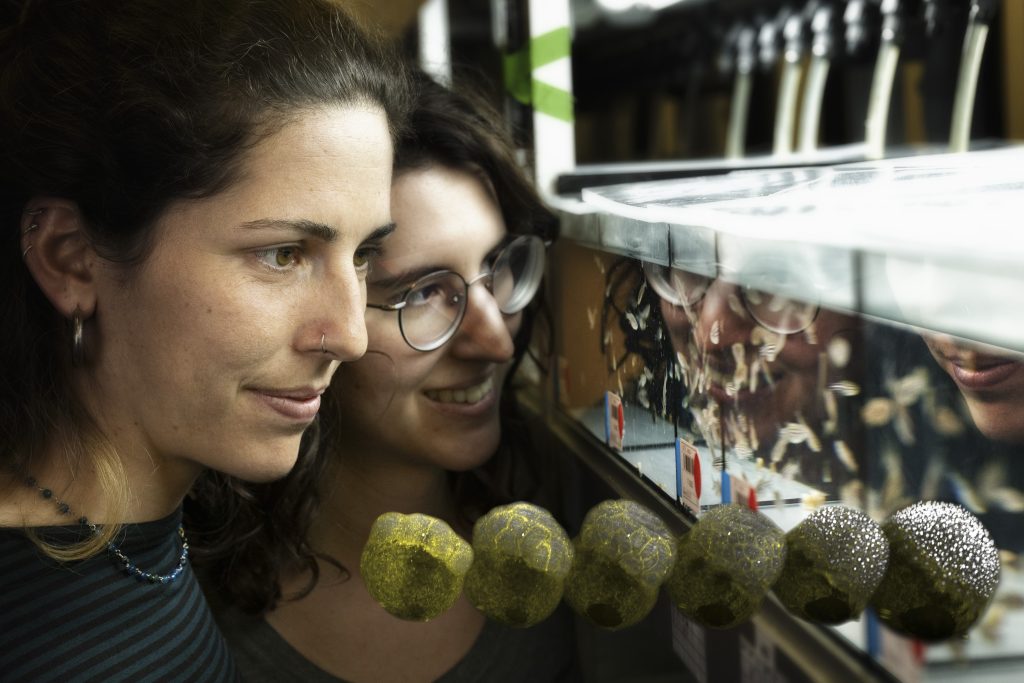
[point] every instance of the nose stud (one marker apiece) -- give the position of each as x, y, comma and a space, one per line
323, 345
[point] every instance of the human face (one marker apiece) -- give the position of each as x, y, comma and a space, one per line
437, 408
759, 380
991, 382
215, 350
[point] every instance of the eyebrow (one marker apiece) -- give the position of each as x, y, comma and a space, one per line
320, 231
406, 278
380, 233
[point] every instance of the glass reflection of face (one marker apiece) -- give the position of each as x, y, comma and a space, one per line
436, 408
213, 355
991, 382
752, 361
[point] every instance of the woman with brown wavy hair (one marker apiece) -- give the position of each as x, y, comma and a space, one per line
420, 424
190, 194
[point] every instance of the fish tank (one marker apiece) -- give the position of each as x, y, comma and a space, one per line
801, 338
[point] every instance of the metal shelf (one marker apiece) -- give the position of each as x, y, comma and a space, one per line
932, 242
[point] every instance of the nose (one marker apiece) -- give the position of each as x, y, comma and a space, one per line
721, 318
485, 333
338, 322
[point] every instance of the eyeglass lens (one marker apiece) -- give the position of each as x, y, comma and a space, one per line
437, 303
775, 312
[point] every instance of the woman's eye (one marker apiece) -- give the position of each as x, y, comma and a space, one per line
279, 258
364, 258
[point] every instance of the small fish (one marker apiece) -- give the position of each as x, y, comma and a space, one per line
991, 623
779, 449
592, 317
812, 439
839, 351
811, 335
965, 494
845, 388
813, 500
908, 389
1007, 498
947, 422
716, 332
904, 426
845, 455
878, 412
736, 306
851, 493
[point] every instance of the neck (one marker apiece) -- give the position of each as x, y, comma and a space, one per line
360, 489
155, 488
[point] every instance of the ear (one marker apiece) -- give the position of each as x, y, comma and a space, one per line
59, 255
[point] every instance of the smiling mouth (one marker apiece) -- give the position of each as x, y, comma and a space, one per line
468, 395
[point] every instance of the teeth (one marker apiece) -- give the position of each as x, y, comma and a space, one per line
470, 395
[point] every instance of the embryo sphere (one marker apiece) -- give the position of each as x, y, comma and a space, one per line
835, 560
725, 566
521, 557
943, 570
414, 565
624, 552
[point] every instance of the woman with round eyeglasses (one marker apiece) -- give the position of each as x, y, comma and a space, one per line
432, 308
420, 424
761, 369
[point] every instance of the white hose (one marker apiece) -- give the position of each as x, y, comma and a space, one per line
814, 95
735, 136
878, 101
785, 110
967, 86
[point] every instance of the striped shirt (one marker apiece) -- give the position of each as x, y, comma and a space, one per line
88, 621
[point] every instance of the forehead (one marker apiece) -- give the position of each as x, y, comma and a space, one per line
331, 162
444, 216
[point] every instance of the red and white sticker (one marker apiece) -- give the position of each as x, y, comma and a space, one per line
743, 492
688, 476
614, 421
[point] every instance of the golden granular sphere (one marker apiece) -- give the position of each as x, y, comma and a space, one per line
414, 565
725, 565
943, 570
623, 554
521, 557
835, 560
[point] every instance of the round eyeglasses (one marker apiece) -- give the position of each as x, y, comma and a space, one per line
431, 310
775, 312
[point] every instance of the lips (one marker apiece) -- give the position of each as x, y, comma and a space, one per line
467, 395
300, 405
982, 372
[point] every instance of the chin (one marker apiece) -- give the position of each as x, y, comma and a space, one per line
1005, 426
263, 464
469, 454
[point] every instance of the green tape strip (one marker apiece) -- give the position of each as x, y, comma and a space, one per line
517, 66
549, 47
552, 101
517, 75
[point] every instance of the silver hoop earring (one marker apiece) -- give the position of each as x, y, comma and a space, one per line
323, 346
77, 351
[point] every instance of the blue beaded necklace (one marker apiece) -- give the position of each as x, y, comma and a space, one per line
116, 554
